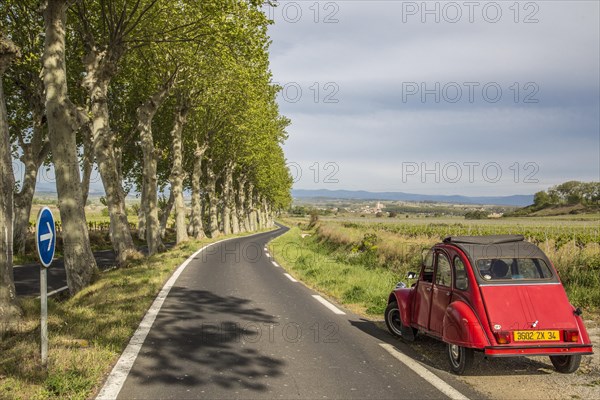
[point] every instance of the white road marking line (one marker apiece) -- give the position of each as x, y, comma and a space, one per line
328, 305
291, 278
274, 263
424, 373
268, 255
119, 373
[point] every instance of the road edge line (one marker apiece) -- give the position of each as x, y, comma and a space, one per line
327, 304
115, 380
424, 373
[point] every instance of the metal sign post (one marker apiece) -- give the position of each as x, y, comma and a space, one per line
45, 234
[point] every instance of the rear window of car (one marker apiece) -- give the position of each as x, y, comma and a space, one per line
513, 269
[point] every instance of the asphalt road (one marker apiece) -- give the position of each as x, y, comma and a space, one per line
27, 276
235, 326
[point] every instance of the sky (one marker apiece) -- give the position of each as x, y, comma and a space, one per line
466, 97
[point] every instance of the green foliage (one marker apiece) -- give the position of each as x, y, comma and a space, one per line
476, 215
567, 194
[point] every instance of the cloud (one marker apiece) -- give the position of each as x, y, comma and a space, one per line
351, 90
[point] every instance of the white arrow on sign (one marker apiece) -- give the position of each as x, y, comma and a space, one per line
47, 236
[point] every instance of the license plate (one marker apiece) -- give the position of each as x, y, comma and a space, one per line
534, 336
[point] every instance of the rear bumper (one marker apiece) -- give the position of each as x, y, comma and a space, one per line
538, 350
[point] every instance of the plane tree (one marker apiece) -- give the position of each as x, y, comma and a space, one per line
9, 308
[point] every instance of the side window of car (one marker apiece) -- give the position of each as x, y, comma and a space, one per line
443, 276
460, 274
428, 267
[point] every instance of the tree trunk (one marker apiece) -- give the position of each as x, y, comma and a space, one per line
88, 166
9, 307
196, 228
226, 197
142, 215
145, 114
268, 215
63, 122
241, 204
99, 70
34, 154
262, 220
33, 157
165, 214
235, 222
213, 202
250, 213
177, 173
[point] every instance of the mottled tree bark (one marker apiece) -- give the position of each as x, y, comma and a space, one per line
213, 201
251, 212
177, 173
142, 215
145, 114
9, 307
88, 164
227, 197
165, 213
33, 155
235, 222
268, 214
262, 220
196, 228
100, 68
241, 204
63, 122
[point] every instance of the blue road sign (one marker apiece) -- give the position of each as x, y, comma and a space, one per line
45, 235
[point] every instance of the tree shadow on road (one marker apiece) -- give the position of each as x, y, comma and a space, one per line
209, 335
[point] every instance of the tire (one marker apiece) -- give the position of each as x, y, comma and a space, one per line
460, 358
393, 320
566, 364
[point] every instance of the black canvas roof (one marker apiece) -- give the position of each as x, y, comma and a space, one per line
496, 246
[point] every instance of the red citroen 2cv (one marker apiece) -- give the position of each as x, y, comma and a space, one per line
497, 294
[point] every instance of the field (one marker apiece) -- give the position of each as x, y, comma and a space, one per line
358, 260
98, 223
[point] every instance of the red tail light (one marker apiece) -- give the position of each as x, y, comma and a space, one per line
571, 336
502, 337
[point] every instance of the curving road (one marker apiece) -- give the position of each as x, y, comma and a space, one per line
234, 325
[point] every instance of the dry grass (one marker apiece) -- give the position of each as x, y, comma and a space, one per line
396, 247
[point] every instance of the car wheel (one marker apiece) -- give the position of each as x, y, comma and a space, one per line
566, 364
393, 320
460, 358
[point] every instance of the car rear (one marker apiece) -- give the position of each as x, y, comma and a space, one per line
528, 309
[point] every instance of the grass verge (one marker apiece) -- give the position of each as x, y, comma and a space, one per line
359, 266
87, 332
364, 290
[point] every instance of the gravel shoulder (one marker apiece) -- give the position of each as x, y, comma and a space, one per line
522, 377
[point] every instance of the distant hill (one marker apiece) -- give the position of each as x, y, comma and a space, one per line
572, 197
515, 200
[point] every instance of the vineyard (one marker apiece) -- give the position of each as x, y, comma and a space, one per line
384, 247
558, 233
